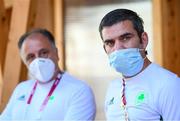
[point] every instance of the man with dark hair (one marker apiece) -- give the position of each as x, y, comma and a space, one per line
146, 91
51, 94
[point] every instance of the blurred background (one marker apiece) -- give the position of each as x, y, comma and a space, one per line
74, 24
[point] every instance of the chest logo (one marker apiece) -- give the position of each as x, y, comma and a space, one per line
141, 97
21, 98
111, 102
51, 98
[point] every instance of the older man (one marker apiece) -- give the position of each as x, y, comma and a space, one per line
51, 94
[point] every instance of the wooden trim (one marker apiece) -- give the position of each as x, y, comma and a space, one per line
171, 43
157, 28
59, 30
2, 12
2, 7
8, 3
166, 33
1, 83
12, 68
3, 32
5, 15
44, 15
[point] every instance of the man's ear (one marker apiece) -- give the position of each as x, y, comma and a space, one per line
144, 40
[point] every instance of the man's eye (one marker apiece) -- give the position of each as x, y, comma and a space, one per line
126, 38
44, 54
109, 43
30, 58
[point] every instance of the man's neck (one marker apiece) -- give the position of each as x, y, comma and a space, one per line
58, 71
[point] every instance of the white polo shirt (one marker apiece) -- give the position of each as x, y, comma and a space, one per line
71, 100
152, 94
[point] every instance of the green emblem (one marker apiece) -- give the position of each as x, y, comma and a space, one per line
51, 98
111, 101
141, 97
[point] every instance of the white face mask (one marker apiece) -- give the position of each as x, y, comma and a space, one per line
42, 69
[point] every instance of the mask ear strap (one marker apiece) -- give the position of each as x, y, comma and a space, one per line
144, 57
145, 51
140, 49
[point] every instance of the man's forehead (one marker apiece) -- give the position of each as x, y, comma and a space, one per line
35, 36
118, 29
35, 42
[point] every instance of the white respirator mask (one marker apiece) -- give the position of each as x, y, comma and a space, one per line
42, 69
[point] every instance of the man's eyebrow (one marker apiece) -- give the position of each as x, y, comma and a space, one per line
28, 55
43, 49
120, 36
107, 40
125, 34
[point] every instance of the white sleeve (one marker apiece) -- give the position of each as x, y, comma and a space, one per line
169, 100
82, 106
7, 113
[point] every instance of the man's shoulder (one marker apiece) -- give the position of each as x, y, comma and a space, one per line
160, 77
25, 84
161, 72
75, 87
72, 81
23, 87
114, 85
116, 82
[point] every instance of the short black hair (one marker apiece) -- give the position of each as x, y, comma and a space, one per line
44, 32
119, 15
